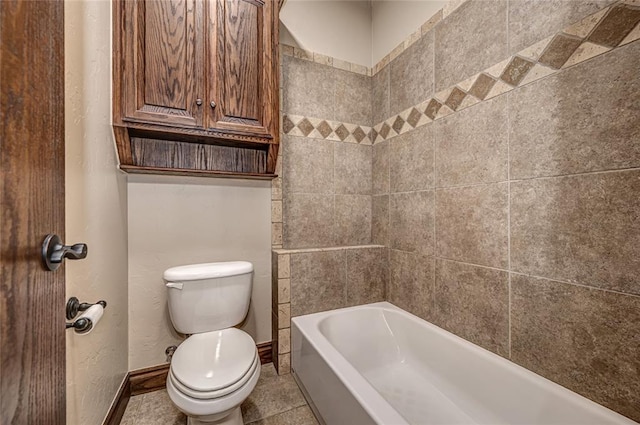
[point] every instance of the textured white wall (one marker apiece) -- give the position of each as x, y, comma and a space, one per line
96, 213
358, 31
177, 220
337, 28
392, 21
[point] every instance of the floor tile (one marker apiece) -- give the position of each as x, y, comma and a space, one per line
298, 416
275, 400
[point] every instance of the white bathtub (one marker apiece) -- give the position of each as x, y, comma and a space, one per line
377, 364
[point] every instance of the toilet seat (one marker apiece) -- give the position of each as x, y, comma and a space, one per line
212, 409
207, 395
214, 364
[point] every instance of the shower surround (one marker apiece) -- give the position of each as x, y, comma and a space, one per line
484, 176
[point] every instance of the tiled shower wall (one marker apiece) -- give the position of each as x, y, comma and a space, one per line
517, 220
326, 184
510, 203
313, 280
323, 257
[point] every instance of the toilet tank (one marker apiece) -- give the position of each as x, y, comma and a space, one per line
208, 297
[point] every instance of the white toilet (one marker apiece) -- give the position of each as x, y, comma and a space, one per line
215, 369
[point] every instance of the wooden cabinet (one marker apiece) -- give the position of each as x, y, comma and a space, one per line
196, 86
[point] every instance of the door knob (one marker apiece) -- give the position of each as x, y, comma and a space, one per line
198, 102
54, 251
213, 104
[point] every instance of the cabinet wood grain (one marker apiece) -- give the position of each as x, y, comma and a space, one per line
190, 75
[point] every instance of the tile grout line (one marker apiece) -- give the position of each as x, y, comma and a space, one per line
278, 413
346, 276
509, 219
559, 280
582, 285
439, 257
442, 188
434, 302
615, 170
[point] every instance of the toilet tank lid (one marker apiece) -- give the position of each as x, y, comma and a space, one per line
207, 271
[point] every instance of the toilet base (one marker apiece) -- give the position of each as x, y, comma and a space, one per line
233, 418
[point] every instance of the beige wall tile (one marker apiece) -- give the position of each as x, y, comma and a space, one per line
472, 224
473, 302
477, 33
581, 229
322, 59
284, 316
341, 64
308, 88
411, 76
367, 275
411, 218
303, 54
308, 221
353, 219
411, 283
276, 211
531, 21
284, 266
472, 145
276, 187
284, 341
380, 168
380, 96
276, 234
360, 69
275, 325
588, 122
352, 173
584, 339
352, 98
284, 291
284, 364
411, 160
308, 165
380, 220
318, 281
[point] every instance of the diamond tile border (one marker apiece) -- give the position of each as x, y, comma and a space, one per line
588, 38
318, 128
607, 29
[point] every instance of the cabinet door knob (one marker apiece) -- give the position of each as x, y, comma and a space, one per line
213, 104
198, 102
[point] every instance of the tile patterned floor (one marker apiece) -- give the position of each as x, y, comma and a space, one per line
276, 400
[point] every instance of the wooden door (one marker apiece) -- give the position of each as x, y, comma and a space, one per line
243, 67
161, 46
32, 300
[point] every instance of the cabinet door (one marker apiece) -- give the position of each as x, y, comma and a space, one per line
163, 49
243, 68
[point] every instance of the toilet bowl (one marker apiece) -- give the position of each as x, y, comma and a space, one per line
216, 368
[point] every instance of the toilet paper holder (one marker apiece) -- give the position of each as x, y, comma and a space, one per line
74, 306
